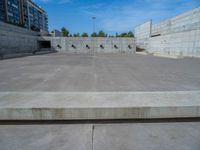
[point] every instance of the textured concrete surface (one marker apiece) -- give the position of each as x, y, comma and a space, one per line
108, 73
142, 35
16, 40
177, 44
95, 106
45, 137
186, 21
176, 36
91, 45
139, 136
164, 136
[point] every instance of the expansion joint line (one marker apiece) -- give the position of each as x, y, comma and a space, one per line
93, 137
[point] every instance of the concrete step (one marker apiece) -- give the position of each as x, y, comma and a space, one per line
97, 106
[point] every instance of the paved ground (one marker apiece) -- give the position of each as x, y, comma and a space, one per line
138, 136
108, 72
100, 73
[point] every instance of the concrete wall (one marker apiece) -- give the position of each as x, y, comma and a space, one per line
142, 34
16, 40
16, 29
184, 22
64, 44
176, 36
177, 44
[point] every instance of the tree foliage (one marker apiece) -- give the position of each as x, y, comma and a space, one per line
84, 34
126, 34
102, 34
76, 35
94, 34
130, 34
65, 32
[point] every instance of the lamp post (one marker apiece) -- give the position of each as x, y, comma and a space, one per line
93, 18
93, 51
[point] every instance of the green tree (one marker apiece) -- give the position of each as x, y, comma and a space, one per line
124, 34
127, 34
130, 34
84, 34
76, 35
102, 34
65, 32
94, 34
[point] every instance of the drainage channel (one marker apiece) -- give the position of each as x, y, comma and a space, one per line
118, 121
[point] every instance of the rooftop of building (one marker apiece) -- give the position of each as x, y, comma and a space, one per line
37, 6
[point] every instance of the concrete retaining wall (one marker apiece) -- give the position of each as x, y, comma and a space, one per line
12, 28
184, 22
15, 41
177, 44
177, 36
90, 45
142, 34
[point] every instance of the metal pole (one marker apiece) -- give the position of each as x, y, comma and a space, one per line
94, 18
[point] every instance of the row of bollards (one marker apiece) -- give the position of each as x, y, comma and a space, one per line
101, 46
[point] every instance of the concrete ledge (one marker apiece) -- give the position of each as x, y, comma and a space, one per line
8, 56
167, 56
91, 106
142, 53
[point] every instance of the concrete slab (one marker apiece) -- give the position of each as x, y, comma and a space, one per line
92, 106
99, 73
129, 136
160, 136
142, 53
83, 87
45, 137
168, 56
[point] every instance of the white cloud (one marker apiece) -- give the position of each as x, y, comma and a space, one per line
126, 16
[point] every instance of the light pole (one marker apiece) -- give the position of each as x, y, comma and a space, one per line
93, 18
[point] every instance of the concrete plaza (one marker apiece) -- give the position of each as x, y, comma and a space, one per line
101, 86
98, 73
138, 136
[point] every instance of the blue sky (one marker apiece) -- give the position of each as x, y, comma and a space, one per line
112, 15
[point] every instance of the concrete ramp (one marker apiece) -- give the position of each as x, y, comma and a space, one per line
97, 106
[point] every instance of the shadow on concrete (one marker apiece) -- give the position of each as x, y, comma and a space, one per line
43, 47
110, 121
138, 49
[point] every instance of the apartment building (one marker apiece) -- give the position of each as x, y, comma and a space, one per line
24, 13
